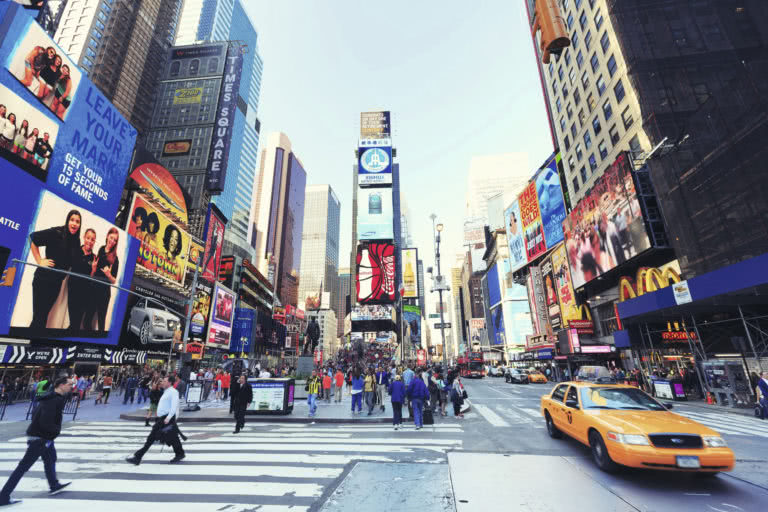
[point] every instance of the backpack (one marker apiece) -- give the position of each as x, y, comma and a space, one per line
432, 386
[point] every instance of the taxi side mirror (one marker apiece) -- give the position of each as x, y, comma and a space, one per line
573, 404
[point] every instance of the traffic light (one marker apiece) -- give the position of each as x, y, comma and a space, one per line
549, 20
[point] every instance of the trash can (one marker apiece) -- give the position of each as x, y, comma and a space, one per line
271, 396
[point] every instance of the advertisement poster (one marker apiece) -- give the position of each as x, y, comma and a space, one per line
53, 305
371, 312
412, 317
410, 267
374, 166
242, 330
201, 310
550, 289
551, 203
606, 228
155, 322
221, 318
476, 330
532, 304
517, 254
227, 270
177, 147
375, 273
375, 125
497, 333
533, 233
188, 96
267, 396
494, 289
159, 185
215, 224
86, 160
562, 279
374, 214
162, 241
540, 299
474, 238
517, 321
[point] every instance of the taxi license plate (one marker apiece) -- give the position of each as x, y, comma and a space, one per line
688, 461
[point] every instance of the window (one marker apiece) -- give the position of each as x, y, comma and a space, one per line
607, 315
551, 68
87, 62
574, 131
592, 162
579, 59
573, 396
594, 62
90, 53
194, 67
576, 96
102, 16
575, 40
559, 393
565, 91
570, 21
626, 117
596, 127
571, 75
579, 152
614, 134
600, 83
587, 140
619, 91
583, 19
679, 37
559, 105
602, 149
591, 102
213, 64
96, 34
598, 20
577, 4
634, 146
562, 123
567, 57
175, 67
567, 143
582, 117
611, 65
93, 43
99, 25
607, 109
554, 86
701, 93
588, 39
575, 184
569, 111
571, 164
585, 80
666, 97
605, 41
560, 73
583, 173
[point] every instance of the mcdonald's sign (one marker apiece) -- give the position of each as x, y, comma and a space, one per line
580, 318
648, 279
673, 334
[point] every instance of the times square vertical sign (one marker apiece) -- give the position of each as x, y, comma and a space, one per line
225, 120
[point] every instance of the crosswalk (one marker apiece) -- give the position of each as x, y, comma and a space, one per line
506, 415
273, 467
725, 423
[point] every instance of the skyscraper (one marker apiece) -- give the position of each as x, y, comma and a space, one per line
279, 217
227, 20
343, 297
320, 245
122, 45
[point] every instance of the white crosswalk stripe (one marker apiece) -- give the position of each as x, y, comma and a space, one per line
275, 468
729, 423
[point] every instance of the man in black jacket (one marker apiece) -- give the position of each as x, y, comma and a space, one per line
44, 428
243, 397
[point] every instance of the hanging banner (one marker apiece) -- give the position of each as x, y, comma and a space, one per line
514, 228
215, 223
412, 317
551, 203
533, 233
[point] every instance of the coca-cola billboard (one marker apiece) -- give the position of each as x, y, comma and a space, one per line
375, 270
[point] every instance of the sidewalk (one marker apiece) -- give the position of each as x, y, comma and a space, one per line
702, 404
87, 411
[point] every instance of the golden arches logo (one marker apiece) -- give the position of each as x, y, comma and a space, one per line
648, 279
577, 312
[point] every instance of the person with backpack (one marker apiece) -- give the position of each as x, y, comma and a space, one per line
443, 388
418, 394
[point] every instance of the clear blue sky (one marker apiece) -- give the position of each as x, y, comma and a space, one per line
459, 78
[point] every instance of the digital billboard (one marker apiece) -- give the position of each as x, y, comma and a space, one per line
152, 323
221, 318
375, 124
412, 318
497, 334
410, 258
215, 224
374, 214
158, 184
85, 159
371, 312
374, 166
227, 270
517, 254
550, 294
551, 203
570, 310
606, 228
162, 242
375, 271
533, 232
242, 330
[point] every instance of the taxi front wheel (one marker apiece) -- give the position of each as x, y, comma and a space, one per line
600, 453
552, 430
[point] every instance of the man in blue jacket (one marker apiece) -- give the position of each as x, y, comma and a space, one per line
763, 385
418, 393
382, 383
397, 393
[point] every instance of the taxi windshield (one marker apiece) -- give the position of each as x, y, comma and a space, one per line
618, 398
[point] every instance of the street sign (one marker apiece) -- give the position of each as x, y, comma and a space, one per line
446, 325
434, 315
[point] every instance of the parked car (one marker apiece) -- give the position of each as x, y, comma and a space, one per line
496, 371
536, 377
516, 376
152, 322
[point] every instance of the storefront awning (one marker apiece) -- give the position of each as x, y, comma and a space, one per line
742, 284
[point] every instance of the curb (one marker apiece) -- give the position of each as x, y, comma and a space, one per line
721, 409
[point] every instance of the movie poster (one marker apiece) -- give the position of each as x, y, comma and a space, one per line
533, 232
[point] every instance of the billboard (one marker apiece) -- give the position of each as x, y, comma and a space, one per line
58, 235
375, 215
606, 228
374, 166
474, 237
154, 323
187, 96
496, 334
85, 158
410, 258
476, 329
371, 312
215, 224
375, 271
221, 317
314, 301
225, 120
375, 125
517, 255
412, 318
226, 270
180, 147
162, 241
537, 294
551, 203
533, 232
201, 310
242, 330
550, 294
494, 290
159, 185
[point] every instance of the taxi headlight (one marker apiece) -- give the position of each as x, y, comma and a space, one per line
635, 439
714, 441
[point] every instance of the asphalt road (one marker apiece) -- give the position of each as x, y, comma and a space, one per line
506, 421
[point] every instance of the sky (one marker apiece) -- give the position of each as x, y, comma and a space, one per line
460, 80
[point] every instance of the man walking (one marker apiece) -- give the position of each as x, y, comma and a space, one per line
327, 387
417, 392
42, 431
369, 390
130, 389
339, 381
407, 378
234, 388
382, 383
313, 388
243, 399
762, 386
165, 428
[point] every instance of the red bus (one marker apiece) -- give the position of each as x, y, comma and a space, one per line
471, 365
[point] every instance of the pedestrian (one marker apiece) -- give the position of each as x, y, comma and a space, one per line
397, 394
313, 388
339, 381
144, 389
457, 396
369, 389
165, 428
217, 383
349, 381
434, 392
233, 389
762, 386
418, 394
357, 391
107, 388
443, 392
130, 389
243, 399
41, 433
327, 387
226, 380
155, 393
382, 384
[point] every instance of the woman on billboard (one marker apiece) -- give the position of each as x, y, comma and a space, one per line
138, 223
63, 92
105, 268
82, 263
151, 229
21, 137
61, 244
36, 60
172, 243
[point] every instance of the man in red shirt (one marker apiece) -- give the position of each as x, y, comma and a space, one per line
339, 378
225, 380
327, 387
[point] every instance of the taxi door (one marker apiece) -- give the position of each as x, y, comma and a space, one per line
574, 420
556, 405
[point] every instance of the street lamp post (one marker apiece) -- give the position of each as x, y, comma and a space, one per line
436, 230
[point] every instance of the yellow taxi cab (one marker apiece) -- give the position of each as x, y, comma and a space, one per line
623, 425
536, 377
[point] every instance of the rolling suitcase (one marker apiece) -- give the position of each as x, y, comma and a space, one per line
428, 417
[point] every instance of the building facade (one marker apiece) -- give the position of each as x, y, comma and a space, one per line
343, 297
328, 342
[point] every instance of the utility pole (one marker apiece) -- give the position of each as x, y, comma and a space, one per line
439, 280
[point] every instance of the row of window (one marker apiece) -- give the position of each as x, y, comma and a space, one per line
194, 67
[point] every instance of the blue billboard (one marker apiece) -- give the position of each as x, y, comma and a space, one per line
494, 290
551, 202
242, 330
374, 166
496, 334
514, 228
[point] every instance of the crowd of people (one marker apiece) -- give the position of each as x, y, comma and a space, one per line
18, 137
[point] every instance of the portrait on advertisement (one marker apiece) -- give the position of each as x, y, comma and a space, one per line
224, 309
67, 238
551, 203
214, 240
514, 230
27, 136
44, 69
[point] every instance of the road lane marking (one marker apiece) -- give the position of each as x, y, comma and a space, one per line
489, 415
